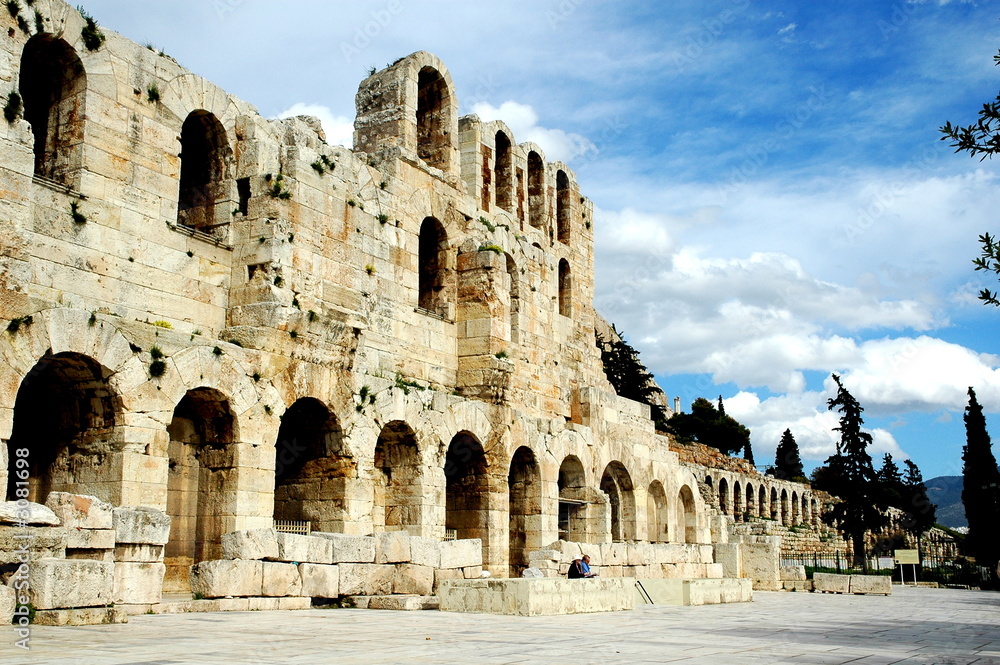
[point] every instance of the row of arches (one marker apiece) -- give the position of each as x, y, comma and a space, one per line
744, 501
69, 417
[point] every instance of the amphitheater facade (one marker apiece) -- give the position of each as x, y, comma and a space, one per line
221, 316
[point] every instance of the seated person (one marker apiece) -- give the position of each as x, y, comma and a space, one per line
585, 565
580, 568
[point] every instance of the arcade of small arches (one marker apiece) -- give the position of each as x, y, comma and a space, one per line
745, 498
221, 451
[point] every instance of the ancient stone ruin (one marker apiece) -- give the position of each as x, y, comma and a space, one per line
315, 371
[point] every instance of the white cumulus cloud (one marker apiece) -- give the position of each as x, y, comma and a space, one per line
339, 130
522, 119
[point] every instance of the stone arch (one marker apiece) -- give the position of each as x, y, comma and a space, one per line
762, 507
434, 119
398, 479
53, 87
311, 466
536, 190
201, 481
525, 509
432, 266
724, 504
796, 514
750, 503
64, 417
563, 206
657, 513
739, 507
204, 182
467, 488
572, 485
616, 483
775, 505
710, 481
786, 513
503, 170
689, 514
565, 289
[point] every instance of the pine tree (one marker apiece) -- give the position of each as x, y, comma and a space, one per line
921, 514
629, 376
852, 476
706, 424
787, 461
891, 481
981, 487
748, 454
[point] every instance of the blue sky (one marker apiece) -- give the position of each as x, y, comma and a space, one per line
773, 202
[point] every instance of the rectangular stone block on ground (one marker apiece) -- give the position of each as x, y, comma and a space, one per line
227, 577
90, 539
81, 510
392, 547
304, 549
350, 549
366, 579
402, 603
280, 579
831, 583
42, 543
425, 551
871, 584
139, 553
413, 579
140, 525
792, 573
138, 582
537, 597
250, 544
461, 553
8, 599
87, 616
28, 513
319, 580
449, 574
64, 583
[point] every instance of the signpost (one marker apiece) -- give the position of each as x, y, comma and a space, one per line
904, 557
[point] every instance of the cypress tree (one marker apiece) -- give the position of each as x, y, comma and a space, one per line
629, 376
981, 487
891, 481
853, 476
787, 461
921, 514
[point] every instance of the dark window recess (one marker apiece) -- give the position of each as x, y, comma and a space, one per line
243, 189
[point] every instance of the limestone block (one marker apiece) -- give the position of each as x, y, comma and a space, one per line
350, 549
319, 580
705, 554
545, 555
425, 551
535, 597
760, 562
91, 539
729, 557
568, 550
227, 577
16, 512
294, 603
139, 553
250, 544
280, 579
443, 575
792, 573
532, 572
413, 579
640, 554
615, 554
20, 545
141, 526
8, 599
392, 547
399, 603
461, 553
304, 549
85, 616
81, 510
64, 583
831, 583
472, 572
871, 584
138, 582
366, 579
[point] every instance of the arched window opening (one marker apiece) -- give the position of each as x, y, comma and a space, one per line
775, 505
689, 515
565, 289
616, 483
433, 108
201, 483
397, 486
53, 88
656, 513
311, 466
750, 507
536, 190
786, 509
504, 169
762, 509
203, 185
64, 415
572, 500
433, 260
515, 299
466, 488
724, 496
525, 509
562, 207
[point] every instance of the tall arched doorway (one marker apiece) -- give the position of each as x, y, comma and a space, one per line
397, 486
616, 483
656, 513
525, 509
466, 488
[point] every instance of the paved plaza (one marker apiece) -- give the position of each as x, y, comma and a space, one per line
940, 627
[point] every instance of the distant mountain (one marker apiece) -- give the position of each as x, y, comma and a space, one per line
946, 493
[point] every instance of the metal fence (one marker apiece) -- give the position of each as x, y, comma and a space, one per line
947, 571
